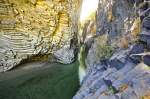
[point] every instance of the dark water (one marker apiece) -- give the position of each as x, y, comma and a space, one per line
53, 81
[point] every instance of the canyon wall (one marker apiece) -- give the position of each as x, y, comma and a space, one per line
118, 58
37, 30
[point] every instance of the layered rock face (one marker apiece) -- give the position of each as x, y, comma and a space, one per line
118, 60
37, 27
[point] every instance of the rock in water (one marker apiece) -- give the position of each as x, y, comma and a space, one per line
65, 55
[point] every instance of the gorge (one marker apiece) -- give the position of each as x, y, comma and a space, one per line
74, 49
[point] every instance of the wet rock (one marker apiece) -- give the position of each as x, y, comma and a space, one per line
146, 60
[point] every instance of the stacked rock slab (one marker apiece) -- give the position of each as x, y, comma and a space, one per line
36, 27
126, 74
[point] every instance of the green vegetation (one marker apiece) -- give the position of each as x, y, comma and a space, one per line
112, 89
82, 56
57, 81
82, 65
103, 50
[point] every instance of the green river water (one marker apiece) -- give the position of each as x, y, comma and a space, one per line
52, 81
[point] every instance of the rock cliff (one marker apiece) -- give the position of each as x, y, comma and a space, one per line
37, 29
118, 57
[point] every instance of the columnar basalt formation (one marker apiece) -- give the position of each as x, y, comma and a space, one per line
36, 27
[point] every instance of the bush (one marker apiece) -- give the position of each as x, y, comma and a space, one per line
103, 50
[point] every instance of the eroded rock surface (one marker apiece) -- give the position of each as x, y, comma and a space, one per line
36, 27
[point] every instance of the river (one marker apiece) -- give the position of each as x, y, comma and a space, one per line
49, 81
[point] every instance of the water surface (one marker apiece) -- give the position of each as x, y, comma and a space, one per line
51, 81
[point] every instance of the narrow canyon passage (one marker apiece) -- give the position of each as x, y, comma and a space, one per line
74, 49
37, 37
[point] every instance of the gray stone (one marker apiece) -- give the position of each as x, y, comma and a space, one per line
117, 64
100, 91
127, 78
122, 72
141, 86
106, 97
136, 49
65, 55
145, 37
146, 60
146, 23
129, 94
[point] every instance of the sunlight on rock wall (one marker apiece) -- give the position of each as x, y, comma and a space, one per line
87, 27
88, 8
87, 21
33, 27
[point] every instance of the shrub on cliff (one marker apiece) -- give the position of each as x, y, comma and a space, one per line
103, 50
